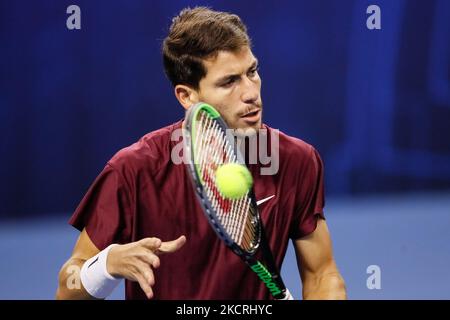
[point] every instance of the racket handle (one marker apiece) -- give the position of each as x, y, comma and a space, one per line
287, 295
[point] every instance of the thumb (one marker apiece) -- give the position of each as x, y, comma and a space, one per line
171, 246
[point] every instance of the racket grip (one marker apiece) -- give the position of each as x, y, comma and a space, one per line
287, 295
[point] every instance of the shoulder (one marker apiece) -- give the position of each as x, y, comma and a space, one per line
150, 152
294, 151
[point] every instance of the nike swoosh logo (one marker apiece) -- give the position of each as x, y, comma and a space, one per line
259, 202
96, 259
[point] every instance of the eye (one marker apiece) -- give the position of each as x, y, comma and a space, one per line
228, 83
253, 72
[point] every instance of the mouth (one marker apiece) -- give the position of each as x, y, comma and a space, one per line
252, 117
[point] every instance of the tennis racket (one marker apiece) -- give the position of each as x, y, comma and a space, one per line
237, 222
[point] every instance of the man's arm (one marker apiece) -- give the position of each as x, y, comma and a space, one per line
70, 286
134, 261
320, 276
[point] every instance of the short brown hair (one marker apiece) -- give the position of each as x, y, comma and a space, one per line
196, 34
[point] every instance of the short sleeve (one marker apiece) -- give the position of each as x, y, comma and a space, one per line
309, 196
106, 210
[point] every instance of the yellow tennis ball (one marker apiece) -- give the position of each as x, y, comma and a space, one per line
233, 180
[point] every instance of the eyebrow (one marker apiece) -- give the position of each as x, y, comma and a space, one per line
229, 77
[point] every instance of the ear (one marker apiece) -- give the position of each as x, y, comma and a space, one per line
186, 95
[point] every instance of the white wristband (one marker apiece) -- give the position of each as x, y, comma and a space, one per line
95, 277
288, 295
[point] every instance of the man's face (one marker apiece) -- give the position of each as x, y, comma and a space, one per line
232, 85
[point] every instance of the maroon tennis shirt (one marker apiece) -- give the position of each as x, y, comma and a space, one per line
142, 193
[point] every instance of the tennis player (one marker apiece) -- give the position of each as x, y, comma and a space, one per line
140, 220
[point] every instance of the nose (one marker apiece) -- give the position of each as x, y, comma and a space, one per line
250, 91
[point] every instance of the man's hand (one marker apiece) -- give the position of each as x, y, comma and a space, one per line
135, 261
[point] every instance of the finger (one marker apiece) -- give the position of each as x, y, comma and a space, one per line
150, 258
171, 246
150, 243
147, 273
144, 285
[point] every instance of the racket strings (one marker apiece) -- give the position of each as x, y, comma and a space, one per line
212, 149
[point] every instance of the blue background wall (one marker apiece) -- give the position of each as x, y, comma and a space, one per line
375, 103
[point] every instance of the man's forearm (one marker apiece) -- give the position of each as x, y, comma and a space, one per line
70, 286
329, 286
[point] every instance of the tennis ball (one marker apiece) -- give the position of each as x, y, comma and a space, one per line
233, 180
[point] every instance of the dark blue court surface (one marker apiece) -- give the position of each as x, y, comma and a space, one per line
406, 236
